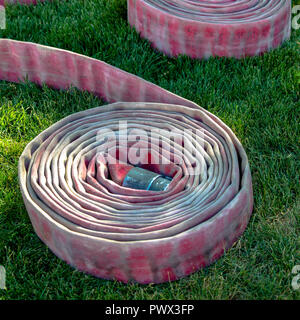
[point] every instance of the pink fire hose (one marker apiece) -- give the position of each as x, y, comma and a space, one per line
204, 28
74, 194
201, 29
94, 223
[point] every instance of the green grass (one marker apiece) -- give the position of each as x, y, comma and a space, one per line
257, 97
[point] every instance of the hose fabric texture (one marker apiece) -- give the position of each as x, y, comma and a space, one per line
95, 224
71, 191
201, 29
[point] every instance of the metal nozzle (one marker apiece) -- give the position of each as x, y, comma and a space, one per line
138, 178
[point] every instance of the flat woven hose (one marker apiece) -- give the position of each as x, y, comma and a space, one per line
200, 29
88, 219
110, 231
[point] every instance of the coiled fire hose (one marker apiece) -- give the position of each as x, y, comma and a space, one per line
76, 196
201, 29
75, 199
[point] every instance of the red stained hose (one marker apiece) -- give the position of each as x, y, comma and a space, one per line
201, 29
89, 219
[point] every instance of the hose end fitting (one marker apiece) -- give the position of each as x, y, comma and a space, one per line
142, 179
